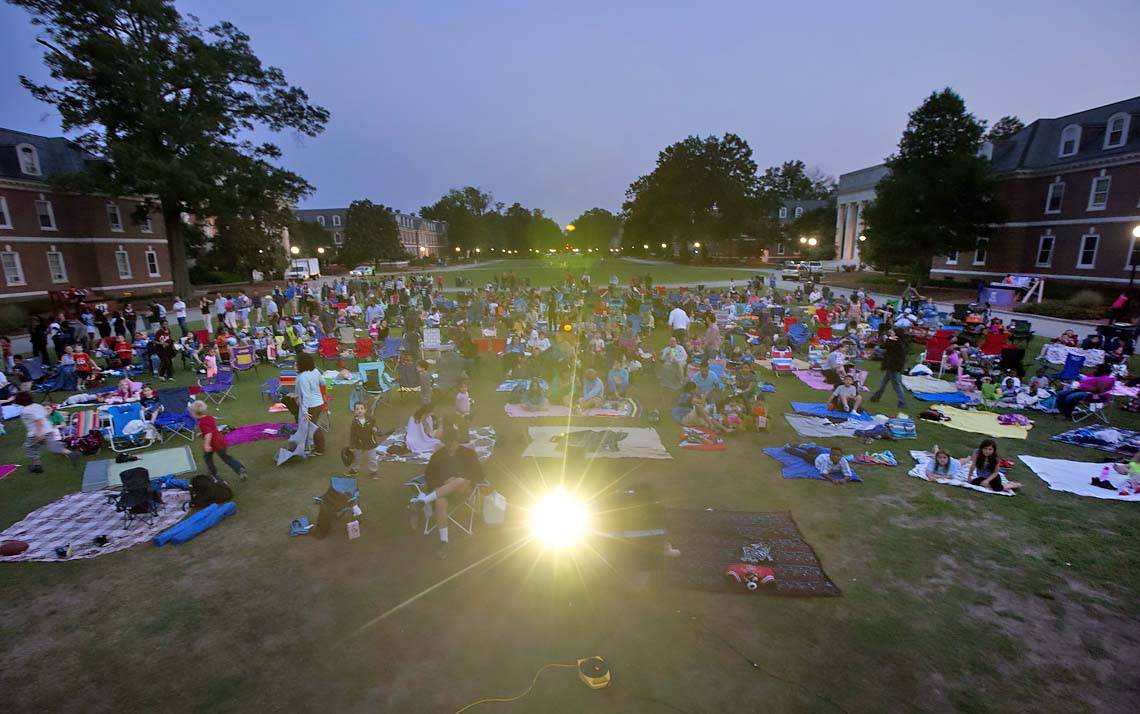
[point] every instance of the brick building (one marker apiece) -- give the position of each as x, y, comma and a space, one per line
419, 236
53, 240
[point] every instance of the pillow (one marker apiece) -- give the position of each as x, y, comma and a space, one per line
12, 547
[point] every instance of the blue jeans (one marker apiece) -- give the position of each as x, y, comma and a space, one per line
230, 461
182, 326
895, 380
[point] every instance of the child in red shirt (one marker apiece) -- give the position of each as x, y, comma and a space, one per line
213, 441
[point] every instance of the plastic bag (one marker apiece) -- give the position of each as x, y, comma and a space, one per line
494, 509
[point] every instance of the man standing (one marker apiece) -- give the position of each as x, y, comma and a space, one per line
179, 308
220, 309
679, 323
894, 362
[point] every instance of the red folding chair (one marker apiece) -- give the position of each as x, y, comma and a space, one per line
364, 348
993, 344
329, 348
823, 332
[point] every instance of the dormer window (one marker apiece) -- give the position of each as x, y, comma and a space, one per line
799, 211
29, 159
1116, 131
321, 221
1070, 140
783, 211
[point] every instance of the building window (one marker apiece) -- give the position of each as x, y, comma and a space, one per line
1098, 193
1045, 251
1070, 140
115, 218
123, 263
1133, 258
146, 226
5, 216
56, 268
1116, 134
29, 159
13, 268
338, 238
46, 215
321, 221
952, 258
1055, 197
779, 249
152, 263
980, 250
799, 211
1086, 258
783, 211
336, 220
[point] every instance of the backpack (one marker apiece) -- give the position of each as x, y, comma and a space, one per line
206, 489
902, 429
88, 444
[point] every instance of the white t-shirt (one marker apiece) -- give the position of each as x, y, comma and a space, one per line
678, 319
34, 413
179, 308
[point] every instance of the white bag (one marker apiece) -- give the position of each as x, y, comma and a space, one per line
494, 509
353, 529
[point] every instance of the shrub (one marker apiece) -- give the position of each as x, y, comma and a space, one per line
204, 276
1064, 309
1087, 298
13, 318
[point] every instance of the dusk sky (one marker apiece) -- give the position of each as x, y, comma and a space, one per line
561, 105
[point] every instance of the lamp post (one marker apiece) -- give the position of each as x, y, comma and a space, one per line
1135, 256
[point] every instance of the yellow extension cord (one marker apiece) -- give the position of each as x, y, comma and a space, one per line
520, 696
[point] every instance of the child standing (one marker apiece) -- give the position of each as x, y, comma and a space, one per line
463, 401
361, 439
213, 441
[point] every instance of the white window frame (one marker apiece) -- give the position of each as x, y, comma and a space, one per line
321, 221
1081, 251
127, 262
1072, 131
62, 277
983, 245
338, 239
147, 225
17, 265
115, 215
783, 211
779, 249
1125, 119
1053, 187
5, 214
799, 211
1131, 252
1092, 191
152, 258
37, 168
952, 258
50, 213
336, 220
1052, 250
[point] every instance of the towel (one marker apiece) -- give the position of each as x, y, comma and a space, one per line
1075, 477
981, 423
820, 428
814, 380
942, 397
919, 471
928, 385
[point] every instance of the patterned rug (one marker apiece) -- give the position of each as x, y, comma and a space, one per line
1101, 438
77, 518
625, 407
482, 442
711, 540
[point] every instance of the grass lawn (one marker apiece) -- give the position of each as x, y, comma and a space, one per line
952, 600
549, 271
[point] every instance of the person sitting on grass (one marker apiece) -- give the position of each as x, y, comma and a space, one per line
833, 467
453, 469
213, 441
984, 469
422, 433
706, 380
845, 397
942, 466
1100, 382
534, 398
41, 433
617, 382
700, 416
593, 391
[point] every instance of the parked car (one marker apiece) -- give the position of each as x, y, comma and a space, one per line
813, 266
362, 271
791, 270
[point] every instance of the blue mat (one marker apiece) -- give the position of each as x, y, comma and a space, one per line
944, 398
795, 467
201, 521
822, 411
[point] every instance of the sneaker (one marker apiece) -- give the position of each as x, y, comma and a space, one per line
353, 472
36, 469
441, 551
1124, 492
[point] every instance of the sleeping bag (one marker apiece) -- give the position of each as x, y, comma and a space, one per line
202, 520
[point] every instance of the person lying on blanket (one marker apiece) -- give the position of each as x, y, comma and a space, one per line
845, 397
942, 466
984, 469
833, 467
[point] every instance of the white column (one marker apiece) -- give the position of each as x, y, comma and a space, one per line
858, 230
840, 209
848, 229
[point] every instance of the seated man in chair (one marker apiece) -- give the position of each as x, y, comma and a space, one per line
452, 469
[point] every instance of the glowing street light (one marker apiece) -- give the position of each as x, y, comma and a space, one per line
663, 246
645, 246
1135, 257
478, 250
812, 241
294, 250
456, 249
803, 240
697, 245
570, 227
321, 250
862, 238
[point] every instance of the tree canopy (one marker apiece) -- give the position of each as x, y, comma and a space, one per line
595, 228
309, 237
463, 209
370, 234
791, 181
170, 106
939, 196
818, 223
1005, 128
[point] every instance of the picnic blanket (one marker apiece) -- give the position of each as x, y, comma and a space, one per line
919, 471
77, 518
1120, 390
7, 469
796, 467
333, 376
928, 385
981, 423
256, 432
482, 443
1075, 477
624, 407
813, 379
1057, 354
797, 364
1102, 438
711, 540
942, 397
105, 473
637, 442
511, 384
815, 427
821, 410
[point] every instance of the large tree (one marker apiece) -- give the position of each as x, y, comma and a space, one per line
464, 209
818, 223
370, 234
309, 236
1005, 128
939, 196
702, 189
170, 105
792, 181
595, 228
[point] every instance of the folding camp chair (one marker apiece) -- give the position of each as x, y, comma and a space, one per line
174, 419
993, 343
1095, 406
935, 349
1071, 370
117, 417
408, 378
782, 361
798, 334
347, 334
138, 498
35, 367
342, 496
392, 347
82, 422
218, 388
243, 359
64, 380
462, 513
329, 349
364, 348
375, 382
816, 357
270, 388
1022, 330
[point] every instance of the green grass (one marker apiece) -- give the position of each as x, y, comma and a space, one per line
952, 600
550, 271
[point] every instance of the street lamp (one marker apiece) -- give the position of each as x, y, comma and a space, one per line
456, 249
803, 240
697, 245
663, 246
1135, 257
862, 238
570, 227
645, 246
321, 251
812, 242
478, 250
294, 250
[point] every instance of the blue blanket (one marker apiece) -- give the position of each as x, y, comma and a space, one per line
944, 398
822, 411
203, 520
795, 467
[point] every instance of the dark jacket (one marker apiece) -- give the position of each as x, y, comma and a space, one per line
894, 355
360, 436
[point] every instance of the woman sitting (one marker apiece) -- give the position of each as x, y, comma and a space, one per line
423, 435
1100, 383
534, 398
617, 381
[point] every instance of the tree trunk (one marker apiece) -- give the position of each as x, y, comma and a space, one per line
176, 240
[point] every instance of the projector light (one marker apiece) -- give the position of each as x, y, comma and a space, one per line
558, 520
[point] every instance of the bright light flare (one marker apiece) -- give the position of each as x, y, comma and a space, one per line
558, 520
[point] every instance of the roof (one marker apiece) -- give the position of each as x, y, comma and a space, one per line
1036, 146
58, 156
806, 204
862, 179
310, 215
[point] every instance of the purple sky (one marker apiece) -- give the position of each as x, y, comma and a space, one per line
561, 105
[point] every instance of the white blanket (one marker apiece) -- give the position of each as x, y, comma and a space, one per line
639, 443
919, 471
1056, 353
1075, 477
815, 427
928, 385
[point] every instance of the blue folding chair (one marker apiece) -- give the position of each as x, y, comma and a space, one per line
798, 334
219, 388
1071, 369
174, 419
392, 347
342, 495
115, 421
375, 382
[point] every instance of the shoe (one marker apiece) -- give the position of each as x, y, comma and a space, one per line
1124, 492
73, 456
353, 472
243, 475
441, 551
36, 469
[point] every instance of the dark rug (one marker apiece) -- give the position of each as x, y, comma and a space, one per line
711, 540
